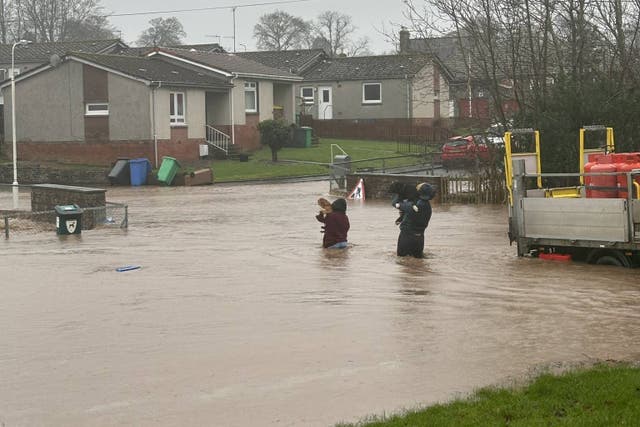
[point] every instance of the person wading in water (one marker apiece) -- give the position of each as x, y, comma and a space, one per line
415, 219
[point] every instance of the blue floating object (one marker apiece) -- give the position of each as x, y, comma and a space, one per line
128, 268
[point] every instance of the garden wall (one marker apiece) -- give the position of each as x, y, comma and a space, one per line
376, 184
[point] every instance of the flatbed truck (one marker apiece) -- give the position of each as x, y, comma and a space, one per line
595, 230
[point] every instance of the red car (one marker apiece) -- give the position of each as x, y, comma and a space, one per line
464, 150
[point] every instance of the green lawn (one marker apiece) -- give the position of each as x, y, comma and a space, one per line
603, 395
260, 165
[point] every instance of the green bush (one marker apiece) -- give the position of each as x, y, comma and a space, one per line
274, 134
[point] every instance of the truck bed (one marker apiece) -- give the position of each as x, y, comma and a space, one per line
572, 219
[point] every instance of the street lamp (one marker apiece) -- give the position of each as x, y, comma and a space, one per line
13, 109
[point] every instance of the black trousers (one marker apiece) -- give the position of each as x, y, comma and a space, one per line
410, 244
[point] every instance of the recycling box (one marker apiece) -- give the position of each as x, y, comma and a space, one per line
68, 219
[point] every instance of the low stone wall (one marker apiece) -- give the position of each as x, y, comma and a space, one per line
106, 153
32, 173
377, 184
45, 197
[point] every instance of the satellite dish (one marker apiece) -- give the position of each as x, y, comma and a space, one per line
54, 60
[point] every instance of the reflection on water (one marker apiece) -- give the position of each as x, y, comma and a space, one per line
238, 317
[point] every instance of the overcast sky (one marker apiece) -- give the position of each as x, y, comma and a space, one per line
369, 17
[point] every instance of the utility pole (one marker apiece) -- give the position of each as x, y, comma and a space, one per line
233, 9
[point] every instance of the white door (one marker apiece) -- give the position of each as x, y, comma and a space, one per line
325, 104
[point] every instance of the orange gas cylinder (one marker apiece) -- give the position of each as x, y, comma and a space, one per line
624, 158
603, 186
622, 179
594, 159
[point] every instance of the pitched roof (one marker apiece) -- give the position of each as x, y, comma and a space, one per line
41, 52
368, 67
151, 70
228, 63
202, 47
294, 61
447, 50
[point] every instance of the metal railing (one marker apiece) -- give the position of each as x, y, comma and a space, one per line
217, 139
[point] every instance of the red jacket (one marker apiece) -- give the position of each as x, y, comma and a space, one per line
336, 226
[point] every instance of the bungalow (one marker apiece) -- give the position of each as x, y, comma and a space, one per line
262, 92
387, 89
95, 108
470, 94
29, 56
376, 87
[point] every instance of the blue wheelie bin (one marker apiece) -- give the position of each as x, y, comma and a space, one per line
139, 169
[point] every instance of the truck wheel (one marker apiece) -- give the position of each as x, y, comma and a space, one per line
617, 259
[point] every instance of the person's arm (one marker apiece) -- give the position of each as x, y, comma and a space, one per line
406, 206
321, 217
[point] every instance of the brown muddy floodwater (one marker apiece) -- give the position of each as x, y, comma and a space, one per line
238, 317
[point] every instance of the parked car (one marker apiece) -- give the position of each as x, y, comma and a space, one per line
495, 133
464, 150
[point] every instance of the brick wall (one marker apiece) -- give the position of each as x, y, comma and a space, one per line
376, 185
378, 129
247, 136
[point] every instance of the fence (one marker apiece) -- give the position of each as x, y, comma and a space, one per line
478, 189
374, 129
419, 144
24, 222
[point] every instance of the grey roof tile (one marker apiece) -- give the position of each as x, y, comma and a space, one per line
230, 63
155, 69
41, 52
447, 50
294, 61
368, 67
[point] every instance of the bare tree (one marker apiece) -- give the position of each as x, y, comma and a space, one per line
335, 29
163, 32
281, 31
49, 20
565, 63
93, 28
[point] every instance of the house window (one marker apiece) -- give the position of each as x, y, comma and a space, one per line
371, 93
176, 108
251, 97
306, 93
96, 109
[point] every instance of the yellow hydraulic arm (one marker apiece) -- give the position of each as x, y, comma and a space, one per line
532, 159
609, 146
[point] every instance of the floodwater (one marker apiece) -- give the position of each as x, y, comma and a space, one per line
238, 317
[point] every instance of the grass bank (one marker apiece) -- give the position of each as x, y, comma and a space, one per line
603, 395
291, 161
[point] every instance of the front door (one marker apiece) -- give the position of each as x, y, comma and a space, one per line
325, 106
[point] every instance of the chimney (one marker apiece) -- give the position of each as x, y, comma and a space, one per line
404, 40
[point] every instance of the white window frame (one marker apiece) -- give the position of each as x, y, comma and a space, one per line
177, 119
251, 87
96, 109
371, 101
307, 100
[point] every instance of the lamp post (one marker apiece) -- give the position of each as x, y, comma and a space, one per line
13, 109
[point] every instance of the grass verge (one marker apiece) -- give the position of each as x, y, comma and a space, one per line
603, 395
291, 160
